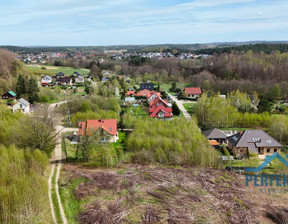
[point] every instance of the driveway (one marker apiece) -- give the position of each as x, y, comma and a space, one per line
180, 105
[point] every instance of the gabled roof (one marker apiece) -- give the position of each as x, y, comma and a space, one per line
253, 139
12, 93
167, 112
153, 93
109, 125
193, 91
158, 100
143, 92
24, 102
214, 134
130, 92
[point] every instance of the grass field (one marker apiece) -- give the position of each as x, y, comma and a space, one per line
167, 86
189, 107
53, 70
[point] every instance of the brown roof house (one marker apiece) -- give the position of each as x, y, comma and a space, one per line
253, 141
215, 134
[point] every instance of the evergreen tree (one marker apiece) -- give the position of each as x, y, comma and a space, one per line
175, 109
20, 86
264, 105
33, 91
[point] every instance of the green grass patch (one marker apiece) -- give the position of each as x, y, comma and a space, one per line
71, 205
121, 142
53, 70
189, 107
137, 111
54, 198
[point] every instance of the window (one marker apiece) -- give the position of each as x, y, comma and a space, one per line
268, 150
275, 150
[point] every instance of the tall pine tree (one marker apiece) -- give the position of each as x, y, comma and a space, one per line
20, 86
33, 91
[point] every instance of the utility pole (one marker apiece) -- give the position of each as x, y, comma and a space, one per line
69, 117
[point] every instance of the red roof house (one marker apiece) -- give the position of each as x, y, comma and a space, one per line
162, 112
107, 127
130, 93
193, 93
153, 95
156, 102
143, 92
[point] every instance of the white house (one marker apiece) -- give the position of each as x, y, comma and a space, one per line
46, 80
79, 79
22, 105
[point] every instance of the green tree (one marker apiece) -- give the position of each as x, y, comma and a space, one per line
33, 91
173, 87
274, 92
264, 105
95, 71
175, 109
20, 86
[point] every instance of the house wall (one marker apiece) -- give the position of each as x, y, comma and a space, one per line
265, 150
17, 107
191, 96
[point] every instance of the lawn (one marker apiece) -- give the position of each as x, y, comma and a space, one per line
167, 86
189, 107
53, 70
137, 111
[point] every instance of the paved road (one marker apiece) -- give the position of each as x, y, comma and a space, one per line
180, 105
56, 159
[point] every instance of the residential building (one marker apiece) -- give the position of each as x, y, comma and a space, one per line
152, 96
9, 95
22, 105
47, 79
130, 93
107, 129
149, 86
80, 79
66, 80
215, 134
192, 93
253, 141
143, 93
162, 113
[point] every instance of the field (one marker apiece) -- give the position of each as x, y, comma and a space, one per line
142, 194
167, 86
189, 107
53, 70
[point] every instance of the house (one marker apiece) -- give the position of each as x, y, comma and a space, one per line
9, 95
149, 86
47, 79
143, 93
192, 93
157, 102
152, 96
253, 141
162, 113
130, 93
60, 74
215, 134
22, 105
105, 78
66, 80
130, 100
76, 74
80, 79
107, 129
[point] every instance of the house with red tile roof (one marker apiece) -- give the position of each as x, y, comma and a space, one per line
153, 95
156, 102
193, 93
162, 113
143, 93
130, 93
107, 129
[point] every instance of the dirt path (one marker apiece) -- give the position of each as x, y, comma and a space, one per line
56, 159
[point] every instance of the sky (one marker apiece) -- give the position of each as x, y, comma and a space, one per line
125, 22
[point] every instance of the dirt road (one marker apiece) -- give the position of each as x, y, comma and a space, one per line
180, 105
56, 161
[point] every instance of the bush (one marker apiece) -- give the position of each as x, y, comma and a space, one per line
175, 142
